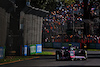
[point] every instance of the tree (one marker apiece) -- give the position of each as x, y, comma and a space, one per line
68, 2
44, 4
50, 5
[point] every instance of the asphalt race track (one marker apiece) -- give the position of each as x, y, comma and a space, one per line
93, 60
50, 61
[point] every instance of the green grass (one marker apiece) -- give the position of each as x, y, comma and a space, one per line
14, 58
45, 53
93, 49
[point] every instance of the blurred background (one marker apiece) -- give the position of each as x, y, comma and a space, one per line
48, 22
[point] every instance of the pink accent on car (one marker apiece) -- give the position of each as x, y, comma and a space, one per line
72, 54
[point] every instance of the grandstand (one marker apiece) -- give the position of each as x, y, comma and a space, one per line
69, 20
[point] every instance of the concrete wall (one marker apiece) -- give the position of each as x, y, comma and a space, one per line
32, 28
4, 21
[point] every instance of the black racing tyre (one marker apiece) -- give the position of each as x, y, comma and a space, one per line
67, 54
57, 55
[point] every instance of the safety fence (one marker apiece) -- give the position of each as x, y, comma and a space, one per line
66, 44
78, 40
58, 44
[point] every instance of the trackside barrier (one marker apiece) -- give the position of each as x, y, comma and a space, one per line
32, 49
65, 44
97, 46
4, 48
2, 53
75, 44
38, 48
25, 50
57, 45
92, 46
35, 48
48, 45
28, 49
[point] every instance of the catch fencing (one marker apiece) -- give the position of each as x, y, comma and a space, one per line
66, 44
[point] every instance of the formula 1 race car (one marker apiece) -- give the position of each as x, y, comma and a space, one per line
71, 53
